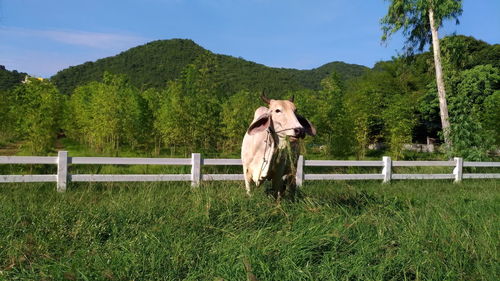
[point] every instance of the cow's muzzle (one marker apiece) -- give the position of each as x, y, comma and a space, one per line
299, 132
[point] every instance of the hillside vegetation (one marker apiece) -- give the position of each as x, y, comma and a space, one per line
9, 79
173, 96
154, 64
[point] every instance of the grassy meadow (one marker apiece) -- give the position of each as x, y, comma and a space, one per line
406, 230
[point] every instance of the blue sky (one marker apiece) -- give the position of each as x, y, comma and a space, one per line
43, 37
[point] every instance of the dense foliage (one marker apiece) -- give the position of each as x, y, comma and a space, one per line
30, 112
105, 115
154, 64
9, 79
151, 65
420, 20
208, 104
475, 108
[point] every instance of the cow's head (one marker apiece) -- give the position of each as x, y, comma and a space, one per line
282, 116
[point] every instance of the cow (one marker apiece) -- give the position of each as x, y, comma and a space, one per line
270, 147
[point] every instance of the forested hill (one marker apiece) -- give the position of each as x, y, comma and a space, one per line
155, 63
9, 79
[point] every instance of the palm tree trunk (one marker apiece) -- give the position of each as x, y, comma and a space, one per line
443, 106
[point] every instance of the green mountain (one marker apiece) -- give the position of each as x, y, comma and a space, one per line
155, 63
9, 79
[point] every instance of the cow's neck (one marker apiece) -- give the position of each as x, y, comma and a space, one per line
280, 142
282, 146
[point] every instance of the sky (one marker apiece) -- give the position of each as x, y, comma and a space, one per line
42, 37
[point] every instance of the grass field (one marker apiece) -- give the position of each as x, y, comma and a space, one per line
406, 230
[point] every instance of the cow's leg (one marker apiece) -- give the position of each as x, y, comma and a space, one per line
291, 185
248, 186
278, 187
248, 180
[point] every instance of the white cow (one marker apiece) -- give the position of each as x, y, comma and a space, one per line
270, 146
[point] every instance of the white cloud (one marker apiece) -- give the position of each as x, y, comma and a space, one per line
93, 39
37, 64
98, 40
44, 52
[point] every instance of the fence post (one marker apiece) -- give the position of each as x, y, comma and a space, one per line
62, 170
195, 169
299, 176
387, 170
457, 171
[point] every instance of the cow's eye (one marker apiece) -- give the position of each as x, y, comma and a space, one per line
277, 111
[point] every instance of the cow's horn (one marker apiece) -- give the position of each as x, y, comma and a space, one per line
264, 98
292, 98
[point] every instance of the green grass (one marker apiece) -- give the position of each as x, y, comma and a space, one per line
406, 230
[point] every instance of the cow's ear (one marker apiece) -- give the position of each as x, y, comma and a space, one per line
308, 127
261, 124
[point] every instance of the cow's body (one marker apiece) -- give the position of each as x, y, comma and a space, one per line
270, 147
257, 152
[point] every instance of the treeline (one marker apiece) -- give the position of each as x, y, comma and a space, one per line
395, 103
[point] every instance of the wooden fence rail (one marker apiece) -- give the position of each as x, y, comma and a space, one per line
63, 161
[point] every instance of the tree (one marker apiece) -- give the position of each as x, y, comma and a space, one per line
190, 116
6, 125
78, 114
237, 114
475, 113
171, 119
491, 116
35, 112
202, 96
335, 118
10, 79
365, 104
399, 121
461, 52
402, 87
420, 21
105, 115
151, 104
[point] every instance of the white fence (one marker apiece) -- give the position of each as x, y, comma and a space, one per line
196, 162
